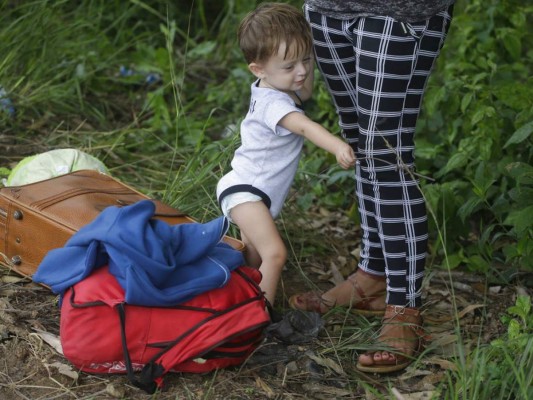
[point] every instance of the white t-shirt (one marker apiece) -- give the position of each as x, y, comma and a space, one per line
267, 160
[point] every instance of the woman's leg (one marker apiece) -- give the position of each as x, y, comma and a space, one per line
382, 84
376, 70
337, 62
394, 63
333, 42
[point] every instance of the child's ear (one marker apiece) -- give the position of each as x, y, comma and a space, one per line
256, 69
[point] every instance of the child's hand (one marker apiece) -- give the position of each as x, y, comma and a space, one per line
345, 156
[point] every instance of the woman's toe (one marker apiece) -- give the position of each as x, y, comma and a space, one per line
366, 359
388, 357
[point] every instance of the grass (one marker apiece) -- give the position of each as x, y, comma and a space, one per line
174, 139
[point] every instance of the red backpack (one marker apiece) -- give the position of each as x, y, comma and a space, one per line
100, 333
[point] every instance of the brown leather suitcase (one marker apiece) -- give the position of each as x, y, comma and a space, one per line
41, 216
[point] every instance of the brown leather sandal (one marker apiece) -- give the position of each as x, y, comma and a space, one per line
309, 301
400, 324
361, 305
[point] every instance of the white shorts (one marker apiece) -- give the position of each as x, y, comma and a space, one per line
234, 199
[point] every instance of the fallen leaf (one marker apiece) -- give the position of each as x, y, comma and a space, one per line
12, 279
397, 395
329, 390
444, 364
462, 286
342, 260
324, 212
495, 289
425, 395
356, 253
468, 309
64, 369
112, 390
261, 384
444, 340
336, 275
480, 287
429, 381
318, 271
50, 339
436, 290
521, 291
327, 362
450, 317
414, 372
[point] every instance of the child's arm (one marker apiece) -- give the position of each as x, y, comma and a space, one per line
300, 124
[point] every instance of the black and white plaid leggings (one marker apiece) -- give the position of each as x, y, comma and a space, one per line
376, 70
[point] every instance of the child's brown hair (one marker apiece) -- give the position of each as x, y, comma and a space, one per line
263, 30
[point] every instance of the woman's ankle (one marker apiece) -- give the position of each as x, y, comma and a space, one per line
358, 287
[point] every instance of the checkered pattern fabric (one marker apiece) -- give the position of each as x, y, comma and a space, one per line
376, 70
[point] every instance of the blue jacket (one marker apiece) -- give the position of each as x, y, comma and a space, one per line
156, 264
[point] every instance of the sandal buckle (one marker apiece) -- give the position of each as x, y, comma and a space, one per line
399, 310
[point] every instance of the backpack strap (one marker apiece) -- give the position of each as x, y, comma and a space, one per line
147, 384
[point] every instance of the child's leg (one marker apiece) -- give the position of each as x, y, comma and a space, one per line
260, 233
252, 257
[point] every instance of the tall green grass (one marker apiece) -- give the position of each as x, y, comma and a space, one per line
502, 369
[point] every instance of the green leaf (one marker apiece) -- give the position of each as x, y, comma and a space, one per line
522, 196
469, 207
518, 19
4, 171
484, 178
478, 77
454, 260
202, 49
521, 220
306, 200
510, 251
425, 149
482, 112
477, 263
456, 161
521, 309
524, 302
433, 98
520, 134
339, 176
513, 45
465, 102
519, 169
514, 329
515, 94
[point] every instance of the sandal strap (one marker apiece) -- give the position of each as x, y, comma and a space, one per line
312, 301
364, 301
403, 314
410, 318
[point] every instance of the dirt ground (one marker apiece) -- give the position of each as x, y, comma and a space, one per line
31, 368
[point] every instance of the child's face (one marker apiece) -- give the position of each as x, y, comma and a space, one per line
284, 74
